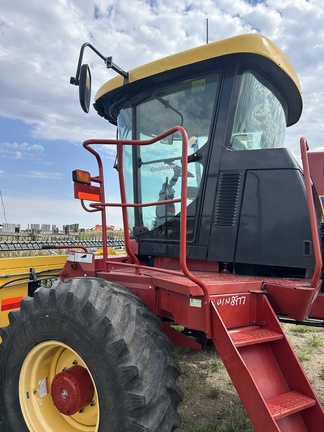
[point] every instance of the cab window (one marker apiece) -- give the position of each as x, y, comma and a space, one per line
153, 173
260, 120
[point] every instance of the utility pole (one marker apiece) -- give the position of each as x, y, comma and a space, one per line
3, 207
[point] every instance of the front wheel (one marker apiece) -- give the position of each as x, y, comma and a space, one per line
86, 355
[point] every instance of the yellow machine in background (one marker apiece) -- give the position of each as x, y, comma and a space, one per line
21, 276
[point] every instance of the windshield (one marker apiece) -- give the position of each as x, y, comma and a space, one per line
260, 120
157, 168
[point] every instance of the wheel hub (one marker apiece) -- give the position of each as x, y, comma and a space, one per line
72, 390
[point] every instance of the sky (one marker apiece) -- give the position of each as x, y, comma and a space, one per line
42, 126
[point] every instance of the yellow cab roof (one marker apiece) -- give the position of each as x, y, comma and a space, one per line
249, 44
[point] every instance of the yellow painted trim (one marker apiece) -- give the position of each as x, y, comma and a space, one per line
39, 368
19, 268
249, 43
18, 264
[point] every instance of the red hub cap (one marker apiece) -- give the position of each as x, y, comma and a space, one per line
72, 390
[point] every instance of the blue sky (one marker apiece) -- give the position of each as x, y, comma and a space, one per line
41, 124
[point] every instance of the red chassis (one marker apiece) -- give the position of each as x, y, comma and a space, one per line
238, 313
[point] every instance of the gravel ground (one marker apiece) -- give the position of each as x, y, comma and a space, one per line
211, 403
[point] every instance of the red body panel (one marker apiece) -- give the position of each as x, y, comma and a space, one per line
238, 313
317, 310
172, 296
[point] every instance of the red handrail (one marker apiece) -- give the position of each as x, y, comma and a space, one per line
312, 216
124, 205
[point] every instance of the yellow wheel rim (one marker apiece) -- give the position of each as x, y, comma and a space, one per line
40, 366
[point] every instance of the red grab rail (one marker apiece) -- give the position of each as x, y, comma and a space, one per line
312, 216
101, 206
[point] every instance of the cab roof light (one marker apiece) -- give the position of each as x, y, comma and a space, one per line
79, 176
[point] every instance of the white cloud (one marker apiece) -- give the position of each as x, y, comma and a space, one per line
43, 175
39, 49
41, 40
20, 150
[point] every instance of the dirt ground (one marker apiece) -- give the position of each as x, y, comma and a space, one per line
211, 403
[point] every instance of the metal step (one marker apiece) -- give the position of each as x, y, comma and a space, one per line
253, 335
289, 403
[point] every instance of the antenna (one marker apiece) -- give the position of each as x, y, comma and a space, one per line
207, 31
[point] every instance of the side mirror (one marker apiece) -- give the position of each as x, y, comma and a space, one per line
83, 76
85, 87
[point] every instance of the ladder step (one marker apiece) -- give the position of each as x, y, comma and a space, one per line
289, 403
253, 335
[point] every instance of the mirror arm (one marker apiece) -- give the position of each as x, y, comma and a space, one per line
113, 66
108, 60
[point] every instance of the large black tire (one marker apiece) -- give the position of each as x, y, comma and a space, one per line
111, 334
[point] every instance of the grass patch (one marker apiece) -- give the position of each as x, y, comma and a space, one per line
231, 419
235, 420
315, 341
191, 389
304, 353
299, 329
309, 348
321, 374
214, 393
205, 427
179, 351
213, 365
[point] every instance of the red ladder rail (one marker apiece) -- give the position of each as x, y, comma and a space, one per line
263, 367
312, 216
